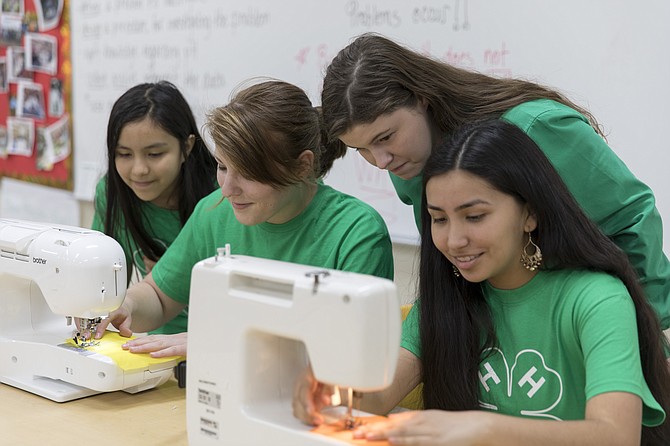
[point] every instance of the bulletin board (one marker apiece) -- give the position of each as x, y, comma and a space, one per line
609, 56
35, 86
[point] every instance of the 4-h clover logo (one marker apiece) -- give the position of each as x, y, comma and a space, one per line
529, 384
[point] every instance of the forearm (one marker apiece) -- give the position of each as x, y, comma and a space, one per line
407, 376
145, 306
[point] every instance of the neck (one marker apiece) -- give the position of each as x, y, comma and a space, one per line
302, 197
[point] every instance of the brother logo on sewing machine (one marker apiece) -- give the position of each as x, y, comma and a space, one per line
275, 318
75, 273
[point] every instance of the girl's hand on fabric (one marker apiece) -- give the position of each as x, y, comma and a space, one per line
119, 318
309, 397
158, 346
425, 427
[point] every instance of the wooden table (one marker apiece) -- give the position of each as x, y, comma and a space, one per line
154, 417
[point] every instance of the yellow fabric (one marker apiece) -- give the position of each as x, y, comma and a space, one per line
414, 399
110, 346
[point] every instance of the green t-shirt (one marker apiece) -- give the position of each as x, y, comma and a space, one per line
621, 205
564, 337
335, 231
162, 224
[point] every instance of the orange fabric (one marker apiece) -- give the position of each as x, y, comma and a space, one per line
338, 431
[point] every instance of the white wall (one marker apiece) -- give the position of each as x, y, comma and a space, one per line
608, 55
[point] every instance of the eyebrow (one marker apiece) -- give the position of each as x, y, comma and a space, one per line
465, 205
378, 135
150, 146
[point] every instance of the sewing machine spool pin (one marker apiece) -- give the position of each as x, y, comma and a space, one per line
317, 275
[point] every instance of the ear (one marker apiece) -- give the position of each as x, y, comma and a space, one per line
190, 143
531, 220
306, 159
424, 102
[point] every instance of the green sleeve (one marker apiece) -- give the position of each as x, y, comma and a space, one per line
411, 339
367, 249
608, 335
623, 206
99, 206
172, 272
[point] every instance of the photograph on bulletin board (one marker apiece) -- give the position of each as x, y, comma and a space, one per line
35, 83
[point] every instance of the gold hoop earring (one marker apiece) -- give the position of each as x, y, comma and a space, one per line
457, 273
531, 261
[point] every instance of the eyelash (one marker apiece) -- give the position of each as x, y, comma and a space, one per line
384, 138
150, 155
471, 218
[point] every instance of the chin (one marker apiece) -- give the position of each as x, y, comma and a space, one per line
411, 174
246, 220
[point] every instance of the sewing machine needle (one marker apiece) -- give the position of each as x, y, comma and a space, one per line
350, 421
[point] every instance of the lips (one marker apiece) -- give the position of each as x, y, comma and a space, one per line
397, 170
239, 206
465, 262
142, 184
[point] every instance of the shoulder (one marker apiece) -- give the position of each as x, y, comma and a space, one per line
336, 203
100, 198
600, 287
541, 111
582, 278
101, 187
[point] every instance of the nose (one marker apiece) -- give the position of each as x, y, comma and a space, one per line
140, 167
381, 158
229, 184
456, 237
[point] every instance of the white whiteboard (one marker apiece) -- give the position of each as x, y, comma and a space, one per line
608, 55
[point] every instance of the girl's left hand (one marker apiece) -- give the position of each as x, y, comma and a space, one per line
427, 427
158, 346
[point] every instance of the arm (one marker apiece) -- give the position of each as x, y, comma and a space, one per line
612, 419
407, 377
145, 308
310, 396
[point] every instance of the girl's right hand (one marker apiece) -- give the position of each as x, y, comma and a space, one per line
119, 318
309, 397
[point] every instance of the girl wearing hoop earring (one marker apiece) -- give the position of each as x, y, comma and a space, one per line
505, 348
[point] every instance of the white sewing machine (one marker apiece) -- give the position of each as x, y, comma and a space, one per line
50, 274
253, 324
